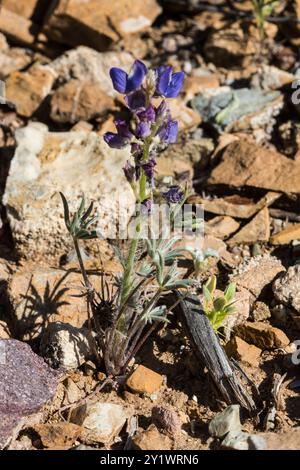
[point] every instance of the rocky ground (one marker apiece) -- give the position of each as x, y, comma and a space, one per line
238, 148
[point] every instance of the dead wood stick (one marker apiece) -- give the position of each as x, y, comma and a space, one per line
210, 353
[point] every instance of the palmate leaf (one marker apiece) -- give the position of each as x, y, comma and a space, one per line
156, 314
80, 224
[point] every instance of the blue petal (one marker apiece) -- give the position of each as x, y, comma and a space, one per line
136, 76
119, 79
115, 141
175, 85
164, 79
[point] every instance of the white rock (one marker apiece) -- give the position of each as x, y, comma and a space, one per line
89, 65
104, 421
75, 163
225, 422
65, 346
236, 441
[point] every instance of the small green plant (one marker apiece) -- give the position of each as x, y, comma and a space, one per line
217, 308
263, 9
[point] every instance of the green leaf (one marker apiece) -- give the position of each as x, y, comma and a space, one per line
66, 210
211, 284
230, 292
206, 294
219, 303
87, 213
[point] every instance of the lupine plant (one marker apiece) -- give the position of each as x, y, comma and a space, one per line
124, 321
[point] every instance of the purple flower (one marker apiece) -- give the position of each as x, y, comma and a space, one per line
146, 206
147, 114
148, 168
162, 111
125, 83
174, 195
136, 101
129, 171
122, 138
143, 130
169, 84
168, 132
146, 118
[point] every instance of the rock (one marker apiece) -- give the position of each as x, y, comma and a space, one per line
286, 236
286, 288
17, 28
102, 421
289, 440
27, 383
271, 78
13, 60
260, 311
25, 8
256, 274
58, 436
77, 101
144, 380
99, 23
262, 168
225, 422
241, 313
187, 118
151, 439
229, 48
262, 335
221, 226
72, 392
3, 43
192, 6
88, 65
4, 331
65, 346
239, 110
40, 296
242, 351
167, 419
196, 84
236, 441
27, 90
45, 163
257, 230
235, 205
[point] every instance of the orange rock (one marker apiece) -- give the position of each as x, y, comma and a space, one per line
242, 351
152, 439
144, 380
262, 335
27, 90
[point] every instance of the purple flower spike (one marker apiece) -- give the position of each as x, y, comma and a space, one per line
122, 138
125, 83
169, 84
174, 195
